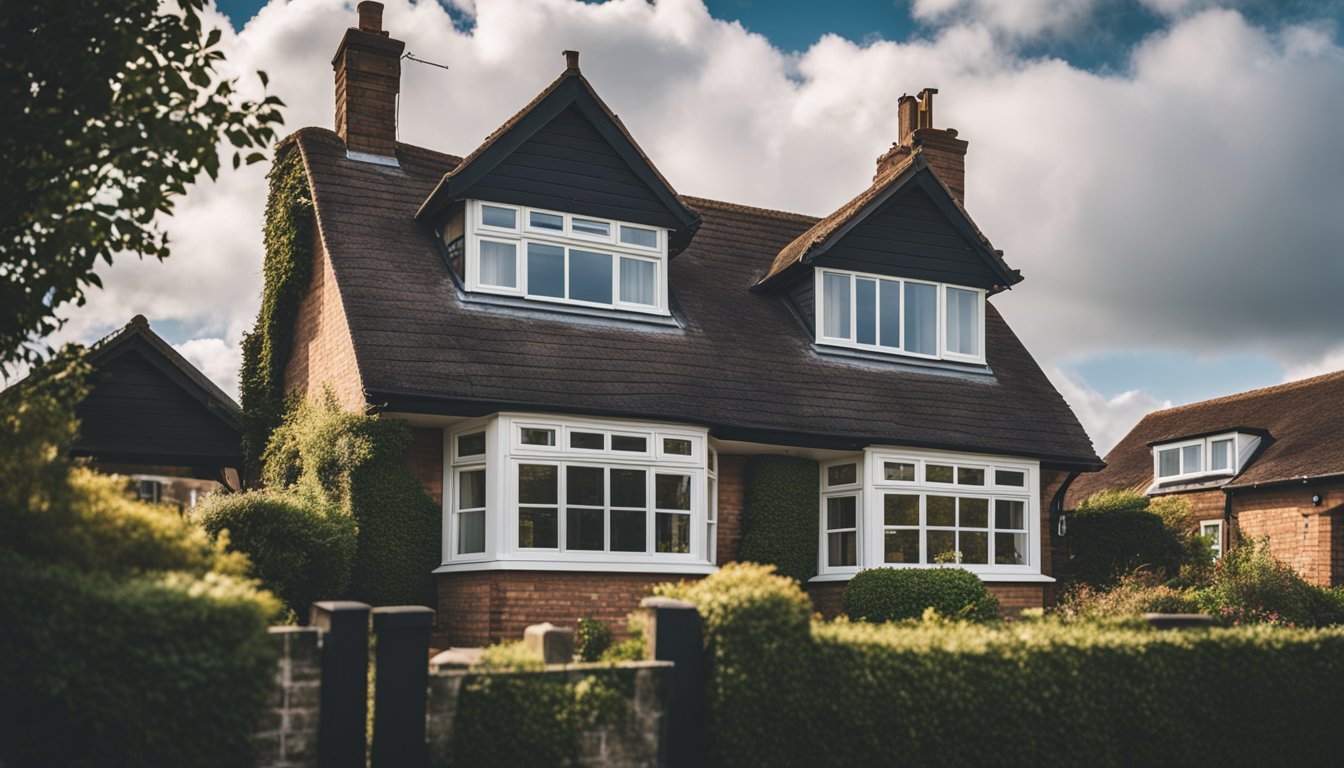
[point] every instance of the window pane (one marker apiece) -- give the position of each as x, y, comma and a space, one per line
974, 513
672, 491
889, 315
901, 546
639, 279
589, 276
842, 474
545, 270
537, 484
494, 216
471, 532
534, 436
1010, 549
628, 488
537, 527
937, 473
583, 529
591, 227
585, 486
1221, 457
921, 318
675, 446
841, 512
942, 547
974, 548
471, 489
1168, 462
899, 470
970, 476
900, 509
672, 533
942, 510
835, 297
842, 549
963, 321
1190, 458
587, 441
499, 264
1006, 477
471, 445
629, 443
645, 238
628, 530
551, 222
1010, 515
865, 308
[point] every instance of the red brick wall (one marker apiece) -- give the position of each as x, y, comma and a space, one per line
323, 353
732, 493
826, 596
424, 457
1310, 538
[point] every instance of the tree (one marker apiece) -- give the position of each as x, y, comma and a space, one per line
110, 110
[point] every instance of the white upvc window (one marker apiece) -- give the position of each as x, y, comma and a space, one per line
900, 316
1197, 457
901, 508
1213, 530
565, 258
580, 494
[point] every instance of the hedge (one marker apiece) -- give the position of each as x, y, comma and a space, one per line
167, 669
786, 692
892, 594
781, 515
1105, 543
297, 549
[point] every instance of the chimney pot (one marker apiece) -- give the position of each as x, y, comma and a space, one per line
370, 16
945, 152
571, 61
368, 78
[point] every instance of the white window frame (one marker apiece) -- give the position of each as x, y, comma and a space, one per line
1214, 530
1206, 457
940, 316
854, 489
506, 452
568, 239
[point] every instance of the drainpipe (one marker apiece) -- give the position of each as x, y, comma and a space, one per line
1226, 543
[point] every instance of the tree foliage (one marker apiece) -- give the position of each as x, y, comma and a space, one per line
111, 110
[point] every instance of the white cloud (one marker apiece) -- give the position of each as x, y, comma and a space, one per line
217, 359
1329, 361
1015, 18
1106, 419
1190, 203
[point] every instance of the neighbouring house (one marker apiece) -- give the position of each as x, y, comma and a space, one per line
153, 417
589, 359
1269, 462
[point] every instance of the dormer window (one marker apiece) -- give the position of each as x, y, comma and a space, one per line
900, 316
564, 258
1197, 457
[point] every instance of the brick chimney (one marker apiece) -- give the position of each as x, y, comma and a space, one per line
368, 78
941, 147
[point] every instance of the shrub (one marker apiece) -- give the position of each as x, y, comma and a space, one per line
1250, 585
1113, 533
297, 550
780, 514
635, 646
166, 669
891, 594
355, 463
1135, 594
591, 639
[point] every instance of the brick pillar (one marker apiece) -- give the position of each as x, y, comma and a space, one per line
368, 79
732, 490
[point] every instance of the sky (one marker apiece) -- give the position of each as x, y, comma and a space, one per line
1165, 173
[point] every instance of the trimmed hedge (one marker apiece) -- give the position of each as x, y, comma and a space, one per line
780, 515
297, 550
783, 693
891, 594
1106, 543
167, 669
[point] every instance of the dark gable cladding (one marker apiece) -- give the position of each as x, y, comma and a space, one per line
148, 405
566, 151
1301, 423
737, 363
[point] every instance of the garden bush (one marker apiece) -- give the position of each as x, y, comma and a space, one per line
101, 670
780, 514
892, 594
298, 550
592, 638
1249, 585
1113, 533
783, 693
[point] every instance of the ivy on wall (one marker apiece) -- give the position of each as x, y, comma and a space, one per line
780, 514
287, 270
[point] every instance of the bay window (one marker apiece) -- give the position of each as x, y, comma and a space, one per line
900, 316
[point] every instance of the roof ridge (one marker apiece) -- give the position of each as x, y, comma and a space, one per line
773, 213
1272, 389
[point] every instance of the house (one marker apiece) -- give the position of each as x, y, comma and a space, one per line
152, 416
1269, 462
588, 358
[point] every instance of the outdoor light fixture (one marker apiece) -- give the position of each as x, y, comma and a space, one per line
1316, 499
1063, 525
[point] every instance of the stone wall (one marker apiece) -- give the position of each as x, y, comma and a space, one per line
287, 734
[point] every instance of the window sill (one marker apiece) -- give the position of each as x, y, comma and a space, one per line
974, 371
692, 568
1023, 578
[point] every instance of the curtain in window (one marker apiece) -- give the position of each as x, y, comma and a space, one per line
963, 322
638, 278
499, 266
921, 318
835, 297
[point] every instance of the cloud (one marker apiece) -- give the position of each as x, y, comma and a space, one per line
1106, 419
1019, 19
217, 359
1190, 203
1329, 361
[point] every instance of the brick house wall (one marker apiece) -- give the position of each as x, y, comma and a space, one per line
732, 497
324, 354
1306, 536
424, 457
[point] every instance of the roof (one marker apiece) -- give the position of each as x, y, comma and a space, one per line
1303, 421
910, 170
203, 389
734, 360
